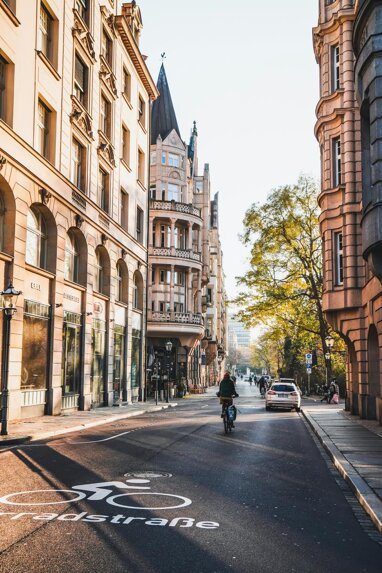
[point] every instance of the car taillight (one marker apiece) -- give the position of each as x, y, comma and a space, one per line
294, 394
271, 392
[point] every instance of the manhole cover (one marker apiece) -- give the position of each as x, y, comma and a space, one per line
147, 474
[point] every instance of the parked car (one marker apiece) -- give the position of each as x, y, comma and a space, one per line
283, 394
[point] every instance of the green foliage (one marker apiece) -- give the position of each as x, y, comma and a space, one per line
282, 290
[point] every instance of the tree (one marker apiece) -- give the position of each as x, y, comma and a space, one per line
283, 285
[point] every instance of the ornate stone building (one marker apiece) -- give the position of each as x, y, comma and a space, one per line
179, 246
74, 142
348, 130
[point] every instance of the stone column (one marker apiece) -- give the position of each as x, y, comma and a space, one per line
189, 290
172, 241
172, 289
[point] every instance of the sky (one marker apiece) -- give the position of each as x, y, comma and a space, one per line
245, 72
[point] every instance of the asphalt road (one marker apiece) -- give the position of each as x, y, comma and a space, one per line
260, 499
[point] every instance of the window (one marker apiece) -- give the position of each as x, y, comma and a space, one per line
173, 160
103, 190
138, 291
43, 124
165, 236
45, 32
125, 145
164, 307
82, 7
338, 259
107, 48
71, 259
153, 189
153, 158
126, 84
11, 4
165, 277
163, 159
122, 293
99, 277
36, 242
4, 69
179, 278
105, 116
178, 307
179, 238
173, 192
124, 210
35, 346
141, 167
81, 73
139, 225
78, 169
141, 111
337, 179
335, 67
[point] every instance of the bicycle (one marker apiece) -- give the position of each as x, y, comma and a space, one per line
228, 415
99, 491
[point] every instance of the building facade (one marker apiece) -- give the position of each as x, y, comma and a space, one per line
179, 249
75, 97
348, 131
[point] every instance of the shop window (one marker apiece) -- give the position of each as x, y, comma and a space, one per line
119, 362
71, 353
35, 346
97, 376
122, 283
36, 243
81, 81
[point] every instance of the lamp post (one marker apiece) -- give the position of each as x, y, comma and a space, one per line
168, 350
9, 301
329, 342
220, 358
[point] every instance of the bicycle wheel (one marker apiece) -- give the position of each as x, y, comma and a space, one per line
7, 498
112, 500
225, 422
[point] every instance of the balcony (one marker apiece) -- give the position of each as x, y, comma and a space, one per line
175, 206
187, 326
177, 317
175, 253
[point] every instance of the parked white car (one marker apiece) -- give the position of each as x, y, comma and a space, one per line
283, 394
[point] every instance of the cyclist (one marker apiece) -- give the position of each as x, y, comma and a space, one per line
262, 385
227, 392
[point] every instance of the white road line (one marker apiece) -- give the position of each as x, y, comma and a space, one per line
105, 439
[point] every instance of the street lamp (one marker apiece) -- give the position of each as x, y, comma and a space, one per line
9, 307
168, 350
329, 342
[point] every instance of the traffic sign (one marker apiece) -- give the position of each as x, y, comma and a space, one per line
308, 370
309, 358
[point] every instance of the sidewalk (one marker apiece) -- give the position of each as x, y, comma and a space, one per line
355, 447
42, 427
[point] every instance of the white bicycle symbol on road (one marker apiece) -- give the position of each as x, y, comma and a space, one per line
99, 491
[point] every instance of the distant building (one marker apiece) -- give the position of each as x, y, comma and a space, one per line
75, 96
179, 249
239, 341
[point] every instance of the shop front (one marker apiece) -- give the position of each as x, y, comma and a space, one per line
71, 349
99, 361
120, 354
136, 355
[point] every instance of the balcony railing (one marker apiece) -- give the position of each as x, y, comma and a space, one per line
173, 252
178, 317
175, 206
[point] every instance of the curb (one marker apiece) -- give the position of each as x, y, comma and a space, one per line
18, 440
365, 495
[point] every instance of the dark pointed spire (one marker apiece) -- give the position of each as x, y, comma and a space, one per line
163, 118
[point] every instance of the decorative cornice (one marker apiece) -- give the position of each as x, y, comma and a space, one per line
81, 119
81, 32
105, 149
107, 77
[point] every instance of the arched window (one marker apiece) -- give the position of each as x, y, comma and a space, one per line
71, 271
36, 245
102, 271
122, 293
138, 291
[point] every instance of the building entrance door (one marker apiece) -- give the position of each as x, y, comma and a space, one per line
71, 358
98, 362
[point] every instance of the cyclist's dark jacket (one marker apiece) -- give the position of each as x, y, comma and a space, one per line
227, 388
